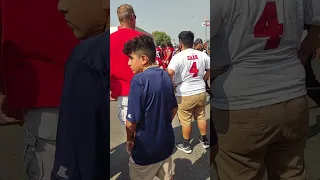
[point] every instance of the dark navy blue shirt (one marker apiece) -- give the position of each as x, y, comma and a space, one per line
82, 151
150, 105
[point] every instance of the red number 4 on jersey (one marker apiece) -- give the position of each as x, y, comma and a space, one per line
268, 26
194, 69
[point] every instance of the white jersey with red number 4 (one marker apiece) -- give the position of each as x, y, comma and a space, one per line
258, 40
190, 66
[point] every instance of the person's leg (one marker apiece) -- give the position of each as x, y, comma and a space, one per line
311, 82
285, 159
199, 113
166, 171
148, 172
40, 140
243, 139
185, 114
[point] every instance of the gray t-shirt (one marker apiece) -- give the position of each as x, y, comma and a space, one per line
258, 40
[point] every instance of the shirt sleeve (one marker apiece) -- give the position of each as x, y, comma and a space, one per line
312, 12
135, 102
216, 12
207, 62
174, 64
83, 117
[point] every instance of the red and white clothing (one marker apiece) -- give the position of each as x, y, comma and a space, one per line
120, 72
158, 56
260, 46
166, 58
190, 66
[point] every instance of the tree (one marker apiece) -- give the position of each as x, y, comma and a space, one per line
161, 37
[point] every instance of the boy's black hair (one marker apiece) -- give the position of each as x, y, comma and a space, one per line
186, 38
141, 45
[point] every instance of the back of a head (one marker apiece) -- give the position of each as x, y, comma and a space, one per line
125, 13
186, 38
141, 45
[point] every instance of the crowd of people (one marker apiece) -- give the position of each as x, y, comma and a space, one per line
152, 84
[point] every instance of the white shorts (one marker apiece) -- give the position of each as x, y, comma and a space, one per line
122, 109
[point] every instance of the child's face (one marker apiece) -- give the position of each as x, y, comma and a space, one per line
86, 17
137, 63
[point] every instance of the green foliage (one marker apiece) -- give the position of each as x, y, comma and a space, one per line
161, 37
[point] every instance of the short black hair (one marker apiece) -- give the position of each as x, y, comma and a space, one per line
186, 38
169, 44
141, 45
163, 46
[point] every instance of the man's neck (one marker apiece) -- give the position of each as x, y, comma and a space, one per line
184, 48
126, 25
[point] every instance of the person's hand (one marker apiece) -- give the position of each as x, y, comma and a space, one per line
129, 146
317, 54
111, 98
9, 117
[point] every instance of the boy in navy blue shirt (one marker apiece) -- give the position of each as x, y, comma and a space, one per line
152, 106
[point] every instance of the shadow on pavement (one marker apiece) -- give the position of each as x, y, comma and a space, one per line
121, 157
184, 167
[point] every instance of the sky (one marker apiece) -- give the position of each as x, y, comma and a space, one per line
170, 16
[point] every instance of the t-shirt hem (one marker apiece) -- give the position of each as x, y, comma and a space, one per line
191, 93
149, 163
258, 104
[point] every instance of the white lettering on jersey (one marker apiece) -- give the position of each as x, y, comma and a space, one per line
190, 66
258, 40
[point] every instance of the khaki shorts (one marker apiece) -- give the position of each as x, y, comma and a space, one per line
271, 137
190, 107
164, 170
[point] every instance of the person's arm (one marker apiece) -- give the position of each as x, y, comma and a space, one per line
134, 113
309, 44
83, 123
317, 54
207, 74
174, 104
169, 53
173, 67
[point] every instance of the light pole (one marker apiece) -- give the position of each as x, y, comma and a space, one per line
206, 24
192, 23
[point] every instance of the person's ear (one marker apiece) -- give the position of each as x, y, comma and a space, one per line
144, 59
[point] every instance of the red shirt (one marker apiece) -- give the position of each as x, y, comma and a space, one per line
36, 43
120, 72
158, 55
169, 49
